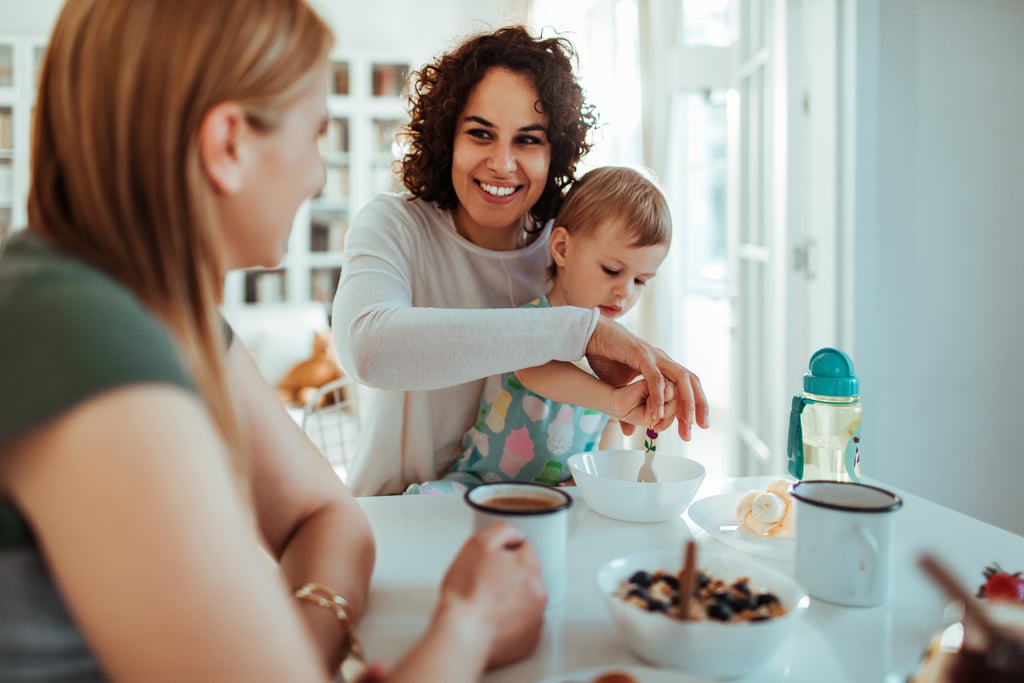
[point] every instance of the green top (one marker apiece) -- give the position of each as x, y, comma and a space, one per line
69, 333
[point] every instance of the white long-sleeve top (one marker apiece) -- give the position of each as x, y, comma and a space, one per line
422, 316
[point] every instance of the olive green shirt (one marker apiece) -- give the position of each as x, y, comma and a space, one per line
68, 332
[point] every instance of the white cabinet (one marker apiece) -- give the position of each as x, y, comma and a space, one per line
19, 67
366, 107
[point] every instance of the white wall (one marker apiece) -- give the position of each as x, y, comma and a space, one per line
21, 18
381, 25
940, 238
425, 28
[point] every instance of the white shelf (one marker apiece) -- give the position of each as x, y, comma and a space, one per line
19, 57
358, 155
358, 151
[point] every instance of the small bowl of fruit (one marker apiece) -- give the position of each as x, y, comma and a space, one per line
739, 615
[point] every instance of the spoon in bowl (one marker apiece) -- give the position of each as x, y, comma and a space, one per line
646, 473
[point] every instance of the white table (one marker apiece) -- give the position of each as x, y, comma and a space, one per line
417, 537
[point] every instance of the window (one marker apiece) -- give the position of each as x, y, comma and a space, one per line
706, 23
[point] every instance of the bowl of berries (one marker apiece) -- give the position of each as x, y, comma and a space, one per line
738, 616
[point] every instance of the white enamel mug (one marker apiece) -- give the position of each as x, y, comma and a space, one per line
844, 541
542, 515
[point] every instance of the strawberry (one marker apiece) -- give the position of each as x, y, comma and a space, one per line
1001, 585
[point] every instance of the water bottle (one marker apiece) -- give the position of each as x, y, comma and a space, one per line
824, 421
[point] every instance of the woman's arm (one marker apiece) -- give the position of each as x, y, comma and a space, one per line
418, 310
310, 521
144, 529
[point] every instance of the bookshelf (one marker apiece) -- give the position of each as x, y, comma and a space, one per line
366, 109
19, 66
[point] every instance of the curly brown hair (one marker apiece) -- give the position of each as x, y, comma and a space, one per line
439, 92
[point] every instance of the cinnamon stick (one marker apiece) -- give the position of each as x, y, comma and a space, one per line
687, 577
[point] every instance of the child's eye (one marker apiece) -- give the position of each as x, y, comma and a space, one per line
610, 271
640, 282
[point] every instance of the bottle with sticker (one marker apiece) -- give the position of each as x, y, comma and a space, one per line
824, 421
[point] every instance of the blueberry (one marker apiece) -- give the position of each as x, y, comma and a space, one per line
742, 587
745, 602
638, 593
657, 606
766, 599
702, 580
719, 610
641, 578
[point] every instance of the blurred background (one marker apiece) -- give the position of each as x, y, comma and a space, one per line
841, 173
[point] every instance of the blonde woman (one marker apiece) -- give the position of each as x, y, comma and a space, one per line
161, 517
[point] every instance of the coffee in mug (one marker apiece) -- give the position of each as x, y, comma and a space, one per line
521, 503
540, 512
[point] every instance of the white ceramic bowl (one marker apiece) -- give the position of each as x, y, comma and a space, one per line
607, 481
705, 648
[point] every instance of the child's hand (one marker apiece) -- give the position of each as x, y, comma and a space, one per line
629, 405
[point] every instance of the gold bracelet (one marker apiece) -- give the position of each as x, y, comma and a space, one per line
325, 597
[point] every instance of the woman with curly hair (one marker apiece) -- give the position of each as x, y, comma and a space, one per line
432, 279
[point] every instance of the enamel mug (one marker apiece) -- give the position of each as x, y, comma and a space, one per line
844, 541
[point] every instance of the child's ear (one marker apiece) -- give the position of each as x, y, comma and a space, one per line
559, 244
220, 147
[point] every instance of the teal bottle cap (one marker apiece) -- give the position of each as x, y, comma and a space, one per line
831, 374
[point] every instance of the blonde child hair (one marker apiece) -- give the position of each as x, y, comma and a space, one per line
624, 193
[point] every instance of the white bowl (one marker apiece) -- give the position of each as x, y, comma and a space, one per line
607, 480
705, 648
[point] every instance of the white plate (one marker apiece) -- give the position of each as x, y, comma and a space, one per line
642, 674
714, 515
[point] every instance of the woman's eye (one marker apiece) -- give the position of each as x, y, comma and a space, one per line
479, 133
528, 140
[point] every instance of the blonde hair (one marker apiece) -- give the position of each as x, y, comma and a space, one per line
617, 193
117, 177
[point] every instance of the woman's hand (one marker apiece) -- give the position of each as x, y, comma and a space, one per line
494, 584
490, 612
618, 356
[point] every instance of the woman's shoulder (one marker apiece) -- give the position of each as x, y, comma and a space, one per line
40, 281
401, 222
71, 332
399, 209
